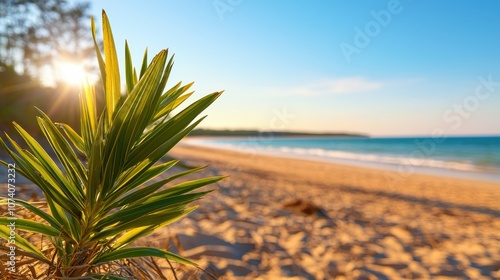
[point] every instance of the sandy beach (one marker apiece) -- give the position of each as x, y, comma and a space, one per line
280, 218
276, 218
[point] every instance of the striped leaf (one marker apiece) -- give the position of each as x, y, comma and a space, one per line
22, 243
99, 204
112, 72
140, 252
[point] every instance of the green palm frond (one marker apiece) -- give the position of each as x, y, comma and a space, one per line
104, 202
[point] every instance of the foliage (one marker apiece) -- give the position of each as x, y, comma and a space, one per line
35, 37
99, 193
33, 34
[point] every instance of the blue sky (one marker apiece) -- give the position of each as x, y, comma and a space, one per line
385, 68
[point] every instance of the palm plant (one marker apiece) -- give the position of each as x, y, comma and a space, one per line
100, 196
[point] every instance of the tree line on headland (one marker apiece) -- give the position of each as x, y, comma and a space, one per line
257, 133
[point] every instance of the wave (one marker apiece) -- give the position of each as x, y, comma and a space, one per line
409, 159
372, 158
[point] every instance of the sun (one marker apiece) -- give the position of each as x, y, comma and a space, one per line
71, 73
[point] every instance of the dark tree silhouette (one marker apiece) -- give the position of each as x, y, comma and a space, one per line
34, 34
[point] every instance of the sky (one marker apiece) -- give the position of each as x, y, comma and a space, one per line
384, 68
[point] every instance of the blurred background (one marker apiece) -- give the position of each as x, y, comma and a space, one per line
46, 50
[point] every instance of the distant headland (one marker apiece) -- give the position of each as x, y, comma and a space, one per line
255, 133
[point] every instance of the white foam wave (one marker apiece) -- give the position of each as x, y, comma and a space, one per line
397, 160
372, 158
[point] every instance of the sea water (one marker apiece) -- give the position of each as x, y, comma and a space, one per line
464, 157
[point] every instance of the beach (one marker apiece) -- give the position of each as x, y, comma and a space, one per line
282, 218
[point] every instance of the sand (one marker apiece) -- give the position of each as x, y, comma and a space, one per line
277, 218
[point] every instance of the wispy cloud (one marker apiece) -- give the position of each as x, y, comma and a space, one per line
345, 85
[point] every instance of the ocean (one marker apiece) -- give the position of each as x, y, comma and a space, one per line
463, 157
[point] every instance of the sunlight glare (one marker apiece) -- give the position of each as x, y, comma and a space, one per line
71, 73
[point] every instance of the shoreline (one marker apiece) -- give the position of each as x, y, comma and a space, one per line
402, 169
387, 180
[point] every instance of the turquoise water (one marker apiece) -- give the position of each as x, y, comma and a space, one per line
468, 157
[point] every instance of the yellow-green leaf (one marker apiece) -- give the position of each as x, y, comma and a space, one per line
112, 86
